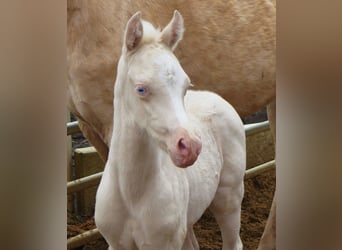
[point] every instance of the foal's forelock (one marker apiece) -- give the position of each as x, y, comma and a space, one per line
151, 34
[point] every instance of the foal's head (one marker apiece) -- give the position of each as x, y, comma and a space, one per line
151, 85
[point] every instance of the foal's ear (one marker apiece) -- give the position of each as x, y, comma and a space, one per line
133, 32
173, 32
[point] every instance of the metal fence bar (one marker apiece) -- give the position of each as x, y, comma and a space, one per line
262, 168
254, 128
73, 128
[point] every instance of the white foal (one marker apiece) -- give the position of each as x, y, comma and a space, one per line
173, 152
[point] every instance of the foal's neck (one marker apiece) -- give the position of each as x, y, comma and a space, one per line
133, 156
131, 143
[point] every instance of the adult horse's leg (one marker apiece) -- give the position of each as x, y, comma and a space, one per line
268, 238
94, 139
271, 114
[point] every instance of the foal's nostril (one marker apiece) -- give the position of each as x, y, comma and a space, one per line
181, 144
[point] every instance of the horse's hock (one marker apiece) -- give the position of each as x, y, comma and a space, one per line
258, 192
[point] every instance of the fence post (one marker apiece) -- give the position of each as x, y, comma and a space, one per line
87, 162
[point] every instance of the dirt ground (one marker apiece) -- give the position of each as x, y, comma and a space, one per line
255, 207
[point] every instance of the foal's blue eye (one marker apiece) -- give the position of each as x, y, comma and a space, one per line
141, 90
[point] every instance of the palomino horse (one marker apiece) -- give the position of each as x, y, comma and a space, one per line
144, 201
229, 47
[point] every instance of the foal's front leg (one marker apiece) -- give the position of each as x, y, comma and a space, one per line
164, 241
111, 214
190, 242
165, 230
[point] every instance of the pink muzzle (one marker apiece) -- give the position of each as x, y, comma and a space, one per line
183, 148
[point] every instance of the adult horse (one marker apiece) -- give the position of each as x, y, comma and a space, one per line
229, 48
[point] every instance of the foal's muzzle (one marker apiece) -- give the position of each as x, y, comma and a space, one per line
183, 148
